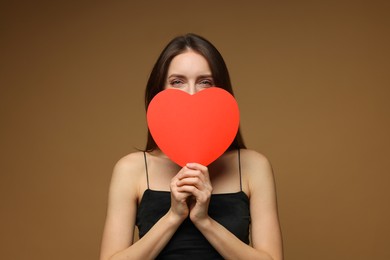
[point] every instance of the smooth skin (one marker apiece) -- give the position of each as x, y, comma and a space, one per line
191, 188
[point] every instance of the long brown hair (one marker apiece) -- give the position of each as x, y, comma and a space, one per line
159, 72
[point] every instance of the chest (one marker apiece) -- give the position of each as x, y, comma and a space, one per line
230, 210
224, 178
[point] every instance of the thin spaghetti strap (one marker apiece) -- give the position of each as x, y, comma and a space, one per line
239, 168
146, 170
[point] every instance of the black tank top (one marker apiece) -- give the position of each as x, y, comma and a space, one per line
229, 209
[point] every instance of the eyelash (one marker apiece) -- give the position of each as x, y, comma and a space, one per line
207, 82
176, 82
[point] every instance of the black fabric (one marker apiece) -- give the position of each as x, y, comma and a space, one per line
230, 210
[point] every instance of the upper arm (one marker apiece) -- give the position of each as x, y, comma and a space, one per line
265, 228
122, 207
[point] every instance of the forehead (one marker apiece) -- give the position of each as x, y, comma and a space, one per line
189, 62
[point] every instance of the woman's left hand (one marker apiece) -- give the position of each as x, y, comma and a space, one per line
195, 180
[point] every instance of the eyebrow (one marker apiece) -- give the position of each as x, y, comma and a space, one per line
182, 76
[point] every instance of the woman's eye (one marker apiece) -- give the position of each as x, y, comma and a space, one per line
206, 82
175, 82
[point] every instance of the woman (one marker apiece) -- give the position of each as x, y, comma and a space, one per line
194, 212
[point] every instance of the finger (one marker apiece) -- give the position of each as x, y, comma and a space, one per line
191, 174
194, 181
199, 167
191, 189
179, 195
196, 166
174, 185
201, 196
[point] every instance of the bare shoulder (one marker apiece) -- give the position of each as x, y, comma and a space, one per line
255, 161
127, 174
257, 170
131, 164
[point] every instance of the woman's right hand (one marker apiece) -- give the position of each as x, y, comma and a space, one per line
179, 206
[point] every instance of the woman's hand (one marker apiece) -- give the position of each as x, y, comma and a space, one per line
179, 206
194, 180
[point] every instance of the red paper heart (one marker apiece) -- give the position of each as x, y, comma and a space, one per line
193, 128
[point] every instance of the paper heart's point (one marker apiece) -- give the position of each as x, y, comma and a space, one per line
193, 128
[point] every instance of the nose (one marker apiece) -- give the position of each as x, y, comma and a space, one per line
192, 89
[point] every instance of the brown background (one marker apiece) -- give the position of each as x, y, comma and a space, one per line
311, 79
